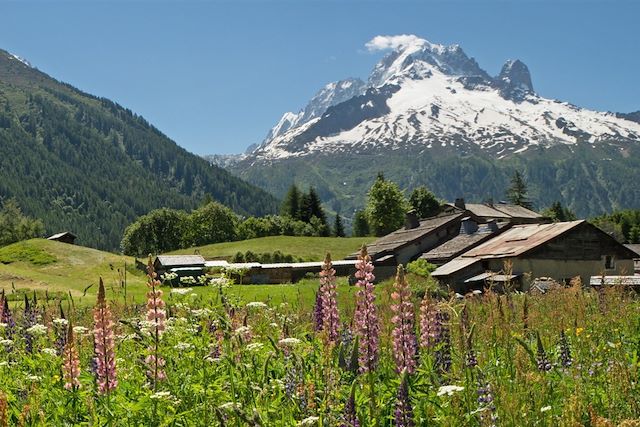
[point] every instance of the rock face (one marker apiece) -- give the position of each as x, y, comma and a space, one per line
423, 95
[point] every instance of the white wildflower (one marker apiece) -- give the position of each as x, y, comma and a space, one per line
289, 341
80, 330
229, 406
37, 329
183, 346
50, 351
201, 312
6, 342
256, 304
545, 408
3, 325
449, 390
33, 378
60, 322
161, 395
309, 421
255, 346
181, 291
242, 330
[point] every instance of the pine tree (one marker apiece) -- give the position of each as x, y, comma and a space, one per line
338, 228
291, 204
517, 192
360, 224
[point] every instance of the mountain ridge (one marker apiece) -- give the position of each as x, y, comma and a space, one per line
424, 102
87, 165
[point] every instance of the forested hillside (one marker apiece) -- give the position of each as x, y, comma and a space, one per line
90, 166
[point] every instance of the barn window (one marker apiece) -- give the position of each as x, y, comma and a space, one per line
609, 262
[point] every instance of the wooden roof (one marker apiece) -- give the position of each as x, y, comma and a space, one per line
403, 237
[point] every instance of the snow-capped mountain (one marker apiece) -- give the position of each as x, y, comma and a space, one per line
423, 95
330, 95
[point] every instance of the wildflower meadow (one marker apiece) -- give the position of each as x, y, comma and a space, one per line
396, 354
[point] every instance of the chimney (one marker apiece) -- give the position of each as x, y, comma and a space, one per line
493, 225
460, 203
411, 220
469, 226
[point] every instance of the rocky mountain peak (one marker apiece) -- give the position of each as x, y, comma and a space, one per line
514, 79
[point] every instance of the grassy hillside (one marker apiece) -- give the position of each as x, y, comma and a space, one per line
87, 165
59, 268
308, 248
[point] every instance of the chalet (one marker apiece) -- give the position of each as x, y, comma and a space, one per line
256, 273
636, 261
502, 212
182, 265
559, 251
416, 237
471, 235
64, 237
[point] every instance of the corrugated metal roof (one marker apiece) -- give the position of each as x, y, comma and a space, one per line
453, 266
520, 239
180, 260
614, 280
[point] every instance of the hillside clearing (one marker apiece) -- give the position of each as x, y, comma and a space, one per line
307, 248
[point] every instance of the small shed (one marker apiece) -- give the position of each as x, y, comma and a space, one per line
182, 265
64, 237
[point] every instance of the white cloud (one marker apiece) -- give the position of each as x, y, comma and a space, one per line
392, 42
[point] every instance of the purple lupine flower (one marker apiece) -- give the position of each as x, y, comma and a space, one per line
30, 318
542, 360
318, 321
366, 317
404, 336
104, 344
330, 313
350, 417
429, 328
157, 315
404, 411
443, 343
435, 334
7, 319
486, 405
565, 351
71, 362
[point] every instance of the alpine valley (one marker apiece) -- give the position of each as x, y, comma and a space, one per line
87, 165
429, 115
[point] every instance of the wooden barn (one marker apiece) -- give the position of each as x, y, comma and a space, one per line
559, 251
64, 237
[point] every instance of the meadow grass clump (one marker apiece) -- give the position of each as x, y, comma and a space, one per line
569, 357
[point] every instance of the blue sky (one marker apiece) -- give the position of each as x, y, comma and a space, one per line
216, 75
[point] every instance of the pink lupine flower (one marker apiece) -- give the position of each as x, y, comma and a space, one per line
71, 362
330, 314
404, 336
157, 315
366, 318
104, 343
428, 324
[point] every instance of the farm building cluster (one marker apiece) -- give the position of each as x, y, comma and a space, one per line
473, 246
